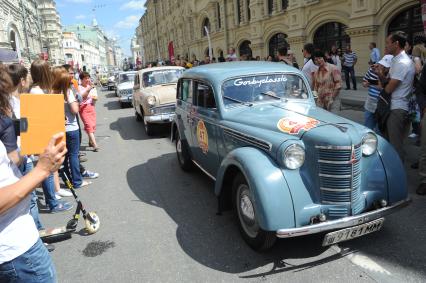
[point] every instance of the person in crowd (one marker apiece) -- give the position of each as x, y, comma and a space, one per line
23, 257
419, 49
309, 67
206, 60
282, 56
42, 84
87, 109
61, 85
374, 53
399, 87
335, 57
232, 56
292, 58
374, 85
349, 61
270, 58
421, 100
328, 57
221, 59
327, 82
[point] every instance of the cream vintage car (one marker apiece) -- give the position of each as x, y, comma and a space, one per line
154, 95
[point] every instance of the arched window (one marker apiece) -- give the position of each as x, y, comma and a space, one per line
206, 23
245, 48
13, 39
276, 42
330, 34
408, 21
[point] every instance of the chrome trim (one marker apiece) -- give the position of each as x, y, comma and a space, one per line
335, 190
341, 223
247, 138
160, 118
336, 202
336, 147
334, 162
202, 169
335, 176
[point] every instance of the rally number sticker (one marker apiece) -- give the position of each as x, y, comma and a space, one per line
294, 125
202, 136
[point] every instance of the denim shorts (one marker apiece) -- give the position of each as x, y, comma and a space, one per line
34, 266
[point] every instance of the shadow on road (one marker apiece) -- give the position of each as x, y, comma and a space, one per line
110, 95
130, 129
212, 240
113, 105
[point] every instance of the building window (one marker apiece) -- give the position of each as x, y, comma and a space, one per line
331, 34
270, 6
206, 24
276, 42
248, 10
12, 37
245, 49
408, 21
219, 21
284, 4
239, 11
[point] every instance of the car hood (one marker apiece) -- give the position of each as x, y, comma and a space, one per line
125, 85
292, 119
163, 93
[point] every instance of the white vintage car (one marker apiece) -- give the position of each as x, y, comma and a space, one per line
154, 95
124, 90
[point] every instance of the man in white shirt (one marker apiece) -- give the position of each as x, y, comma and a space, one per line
309, 68
400, 86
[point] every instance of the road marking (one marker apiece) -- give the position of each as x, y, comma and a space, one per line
363, 261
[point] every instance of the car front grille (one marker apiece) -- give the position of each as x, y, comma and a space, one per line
126, 91
163, 109
340, 179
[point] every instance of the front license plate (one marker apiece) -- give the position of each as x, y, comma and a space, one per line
352, 232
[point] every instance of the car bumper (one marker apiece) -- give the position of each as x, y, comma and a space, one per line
125, 99
159, 118
342, 223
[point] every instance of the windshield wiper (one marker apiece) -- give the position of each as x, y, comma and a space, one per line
239, 101
271, 95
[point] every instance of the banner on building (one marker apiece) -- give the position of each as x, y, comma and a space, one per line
171, 52
423, 2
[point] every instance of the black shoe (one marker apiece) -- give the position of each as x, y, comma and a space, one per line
421, 189
49, 247
354, 88
347, 88
415, 165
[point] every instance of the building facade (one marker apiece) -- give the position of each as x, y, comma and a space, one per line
260, 27
20, 29
52, 31
72, 50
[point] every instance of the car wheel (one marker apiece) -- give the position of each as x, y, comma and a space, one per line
255, 237
149, 128
183, 156
121, 105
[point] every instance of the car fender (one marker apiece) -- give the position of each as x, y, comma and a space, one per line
271, 195
395, 171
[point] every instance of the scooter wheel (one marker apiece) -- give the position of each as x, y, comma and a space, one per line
92, 226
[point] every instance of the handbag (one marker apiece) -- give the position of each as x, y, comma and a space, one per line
383, 110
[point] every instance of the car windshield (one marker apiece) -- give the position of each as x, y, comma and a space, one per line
161, 77
271, 87
127, 78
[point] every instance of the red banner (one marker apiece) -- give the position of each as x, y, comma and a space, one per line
171, 52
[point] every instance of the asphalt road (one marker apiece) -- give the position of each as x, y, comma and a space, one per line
159, 224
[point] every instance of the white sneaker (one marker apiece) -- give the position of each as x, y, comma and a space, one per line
412, 135
57, 196
64, 193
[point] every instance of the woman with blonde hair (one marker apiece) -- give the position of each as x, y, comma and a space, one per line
62, 85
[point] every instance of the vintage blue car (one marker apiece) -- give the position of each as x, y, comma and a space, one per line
287, 167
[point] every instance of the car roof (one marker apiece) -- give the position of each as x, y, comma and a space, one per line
218, 72
160, 68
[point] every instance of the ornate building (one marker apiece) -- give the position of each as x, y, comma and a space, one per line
260, 27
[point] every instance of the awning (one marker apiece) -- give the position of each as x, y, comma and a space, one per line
8, 56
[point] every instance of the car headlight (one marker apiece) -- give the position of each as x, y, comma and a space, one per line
294, 156
151, 100
369, 144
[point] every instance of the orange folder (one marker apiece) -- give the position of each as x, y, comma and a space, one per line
42, 115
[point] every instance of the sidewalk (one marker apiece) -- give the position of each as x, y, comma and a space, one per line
353, 99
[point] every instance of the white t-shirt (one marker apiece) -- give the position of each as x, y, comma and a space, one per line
71, 119
37, 90
18, 232
308, 69
402, 69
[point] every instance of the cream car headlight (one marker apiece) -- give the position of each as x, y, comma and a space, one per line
151, 100
294, 156
369, 144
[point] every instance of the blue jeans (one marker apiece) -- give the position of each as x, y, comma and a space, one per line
33, 266
370, 121
351, 71
48, 186
25, 168
72, 163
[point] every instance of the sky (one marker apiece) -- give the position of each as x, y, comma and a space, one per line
118, 18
